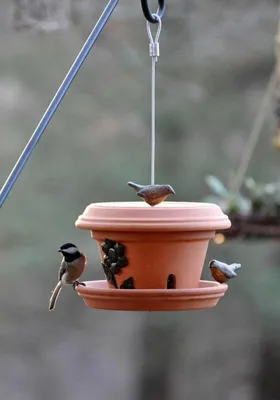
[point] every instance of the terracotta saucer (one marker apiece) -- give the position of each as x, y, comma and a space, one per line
96, 294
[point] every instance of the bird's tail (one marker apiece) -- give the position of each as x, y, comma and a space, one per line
54, 296
135, 186
236, 266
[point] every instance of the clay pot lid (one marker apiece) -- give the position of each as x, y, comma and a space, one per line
96, 294
137, 216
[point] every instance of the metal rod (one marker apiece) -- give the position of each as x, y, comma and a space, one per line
8, 185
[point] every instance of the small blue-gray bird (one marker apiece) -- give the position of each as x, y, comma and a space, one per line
223, 272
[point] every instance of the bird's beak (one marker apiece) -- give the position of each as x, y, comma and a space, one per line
60, 251
173, 191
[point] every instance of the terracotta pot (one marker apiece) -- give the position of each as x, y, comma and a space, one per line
164, 246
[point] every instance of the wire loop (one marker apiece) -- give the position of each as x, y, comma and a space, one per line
152, 40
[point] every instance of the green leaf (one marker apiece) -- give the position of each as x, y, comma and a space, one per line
270, 189
216, 186
251, 187
244, 205
250, 184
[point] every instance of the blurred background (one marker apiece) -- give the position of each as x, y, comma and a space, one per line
216, 59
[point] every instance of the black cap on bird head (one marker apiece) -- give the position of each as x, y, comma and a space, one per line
70, 252
212, 263
67, 246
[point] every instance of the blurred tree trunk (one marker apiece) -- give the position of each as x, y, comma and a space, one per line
159, 338
219, 355
268, 378
214, 352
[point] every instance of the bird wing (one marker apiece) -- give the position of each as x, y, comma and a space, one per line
62, 270
225, 269
141, 193
148, 191
229, 271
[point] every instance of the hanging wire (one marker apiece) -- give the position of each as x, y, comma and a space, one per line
154, 53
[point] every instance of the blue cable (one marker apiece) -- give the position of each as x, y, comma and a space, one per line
8, 185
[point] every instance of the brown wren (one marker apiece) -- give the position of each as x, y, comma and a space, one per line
152, 194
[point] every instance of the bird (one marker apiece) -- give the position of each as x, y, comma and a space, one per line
223, 272
152, 194
71, 268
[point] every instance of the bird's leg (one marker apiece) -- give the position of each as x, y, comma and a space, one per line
77, 283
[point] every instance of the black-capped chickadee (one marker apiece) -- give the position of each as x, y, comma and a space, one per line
71, 268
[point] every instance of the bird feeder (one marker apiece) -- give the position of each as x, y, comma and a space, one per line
163, 249
152, 252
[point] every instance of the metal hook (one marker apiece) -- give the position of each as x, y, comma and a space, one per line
150, 16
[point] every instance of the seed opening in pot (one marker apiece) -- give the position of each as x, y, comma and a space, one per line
171, 282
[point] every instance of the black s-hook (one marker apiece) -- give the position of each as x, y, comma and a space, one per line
147, 13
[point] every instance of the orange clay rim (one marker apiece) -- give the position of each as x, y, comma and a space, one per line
139, 216
206, 288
